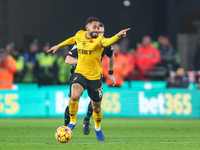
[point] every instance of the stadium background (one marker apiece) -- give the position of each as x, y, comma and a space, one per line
138, 115
54, 21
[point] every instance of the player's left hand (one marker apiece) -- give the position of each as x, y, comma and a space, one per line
122, 33
112, 79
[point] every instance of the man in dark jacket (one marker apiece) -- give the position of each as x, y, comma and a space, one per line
179, 81
167, 54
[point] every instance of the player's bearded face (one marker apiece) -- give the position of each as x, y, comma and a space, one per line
94, 34
93, 29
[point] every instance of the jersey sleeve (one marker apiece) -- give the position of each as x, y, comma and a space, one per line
105, 42
73, 52
67, 42
108, 51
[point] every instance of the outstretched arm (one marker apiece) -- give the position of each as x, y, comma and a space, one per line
67, 42
110, 41
122, 33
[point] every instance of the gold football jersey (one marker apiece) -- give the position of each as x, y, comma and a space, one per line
89, 53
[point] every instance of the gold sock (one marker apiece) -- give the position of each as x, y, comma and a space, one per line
73, 108
97, 118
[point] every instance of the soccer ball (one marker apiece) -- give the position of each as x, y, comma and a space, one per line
63, 134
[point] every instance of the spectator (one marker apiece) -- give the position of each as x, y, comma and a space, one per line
30, 60
160, 39
179, 81
9, 47
124, 44
63, 68
167, 54
146, 56
121, 68
45, 69
7, 70
21, 67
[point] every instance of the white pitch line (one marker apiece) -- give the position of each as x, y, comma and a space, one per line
110, 143
112, 139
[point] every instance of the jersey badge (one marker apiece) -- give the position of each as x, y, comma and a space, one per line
84, 43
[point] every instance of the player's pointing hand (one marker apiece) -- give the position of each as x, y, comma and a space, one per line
53, 49
122, 33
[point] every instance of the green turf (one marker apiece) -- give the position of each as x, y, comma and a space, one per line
120, 134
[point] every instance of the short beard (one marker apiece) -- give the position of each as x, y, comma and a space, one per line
93, 36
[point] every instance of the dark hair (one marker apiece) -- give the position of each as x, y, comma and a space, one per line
89, 20
101, 24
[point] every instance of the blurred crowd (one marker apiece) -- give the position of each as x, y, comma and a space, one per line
151, 60
33, 66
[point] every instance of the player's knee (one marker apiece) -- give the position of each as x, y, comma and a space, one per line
74, 97
96, 109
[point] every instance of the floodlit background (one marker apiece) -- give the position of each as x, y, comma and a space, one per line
150, 109
54, 21
23, 21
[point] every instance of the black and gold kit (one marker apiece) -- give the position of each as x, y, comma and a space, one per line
108, 51
89, 53
88, 71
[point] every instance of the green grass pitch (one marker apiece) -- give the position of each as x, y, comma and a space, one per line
120, 134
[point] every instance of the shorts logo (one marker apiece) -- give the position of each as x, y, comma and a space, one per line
100, 93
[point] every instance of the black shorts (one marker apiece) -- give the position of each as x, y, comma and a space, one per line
94, 87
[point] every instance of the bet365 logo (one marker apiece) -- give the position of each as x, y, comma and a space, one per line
165, 104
